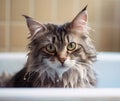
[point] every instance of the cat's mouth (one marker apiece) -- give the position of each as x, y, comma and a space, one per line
58, 67
62, 66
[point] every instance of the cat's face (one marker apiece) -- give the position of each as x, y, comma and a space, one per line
61, 47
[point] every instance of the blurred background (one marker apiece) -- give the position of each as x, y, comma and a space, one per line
104, 19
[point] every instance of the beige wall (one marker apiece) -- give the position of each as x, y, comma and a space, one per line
104, 18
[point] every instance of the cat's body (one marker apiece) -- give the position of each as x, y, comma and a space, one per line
60, 56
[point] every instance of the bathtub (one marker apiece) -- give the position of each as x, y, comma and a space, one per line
107, 68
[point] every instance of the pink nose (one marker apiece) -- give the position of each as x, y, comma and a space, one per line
62, 59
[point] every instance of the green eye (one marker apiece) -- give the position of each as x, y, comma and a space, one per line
50, 48
71, 46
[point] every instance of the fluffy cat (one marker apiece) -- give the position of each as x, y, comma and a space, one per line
59, 55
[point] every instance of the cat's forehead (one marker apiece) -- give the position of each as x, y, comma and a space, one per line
62, 32
57, 28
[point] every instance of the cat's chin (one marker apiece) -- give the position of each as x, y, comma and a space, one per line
61, 70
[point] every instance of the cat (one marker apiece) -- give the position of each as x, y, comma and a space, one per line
59, 55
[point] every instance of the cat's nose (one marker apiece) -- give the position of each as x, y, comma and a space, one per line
62, 59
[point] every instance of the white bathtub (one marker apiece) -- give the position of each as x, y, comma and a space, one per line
107, 67
108, 88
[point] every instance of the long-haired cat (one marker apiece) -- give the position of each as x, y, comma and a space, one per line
59, 55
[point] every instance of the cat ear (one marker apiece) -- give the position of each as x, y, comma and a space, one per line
34, 26
80, 21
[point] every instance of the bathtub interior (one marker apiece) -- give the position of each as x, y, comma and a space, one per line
107, 67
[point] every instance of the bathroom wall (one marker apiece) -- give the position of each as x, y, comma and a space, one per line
104, 19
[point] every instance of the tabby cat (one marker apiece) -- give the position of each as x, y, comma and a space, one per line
59, 55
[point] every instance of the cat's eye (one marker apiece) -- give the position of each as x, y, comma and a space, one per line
50, 48
71, 46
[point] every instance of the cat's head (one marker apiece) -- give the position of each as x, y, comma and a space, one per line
61, 47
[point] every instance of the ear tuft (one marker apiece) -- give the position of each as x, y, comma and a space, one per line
84, 9
27, 17
80, 21
34, 26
